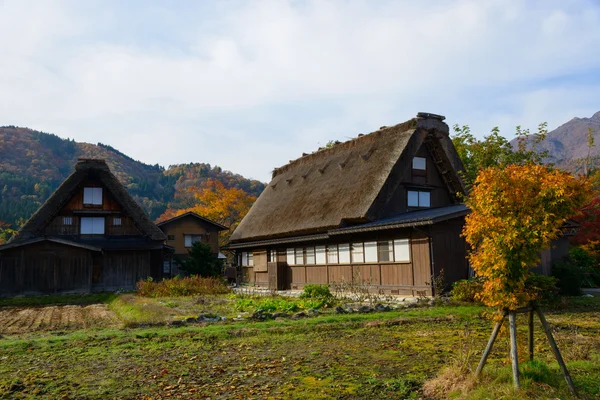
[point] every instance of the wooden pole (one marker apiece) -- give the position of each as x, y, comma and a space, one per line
531, 335
561, 363
514, 353
488, 348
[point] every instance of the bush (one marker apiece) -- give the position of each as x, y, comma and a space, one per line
202, 261
466, 289
587, 264
277, 303
313, 291
569, 277
188, 286
542, 287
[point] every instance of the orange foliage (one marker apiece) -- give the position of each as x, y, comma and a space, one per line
516, 212
215, 202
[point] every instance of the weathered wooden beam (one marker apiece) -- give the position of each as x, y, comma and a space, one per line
556, 351
488, 348
531, 344
514, 353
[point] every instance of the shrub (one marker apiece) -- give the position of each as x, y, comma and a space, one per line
569, 277
188, 286
202, 261
588, 266
466, 289
313, 291
539, 286
542, 287
276, 303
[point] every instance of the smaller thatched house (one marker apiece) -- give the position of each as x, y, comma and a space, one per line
90, 235
383, 209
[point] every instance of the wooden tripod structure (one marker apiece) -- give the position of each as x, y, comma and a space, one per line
512, 318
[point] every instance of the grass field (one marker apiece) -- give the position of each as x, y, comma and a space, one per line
387, 355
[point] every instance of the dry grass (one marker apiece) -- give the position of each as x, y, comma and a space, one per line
188, 286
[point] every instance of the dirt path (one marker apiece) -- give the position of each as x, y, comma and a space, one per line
53, 318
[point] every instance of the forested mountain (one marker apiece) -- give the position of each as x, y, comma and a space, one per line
33, 164
567, 145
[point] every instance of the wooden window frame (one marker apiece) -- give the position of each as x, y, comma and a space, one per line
419, 193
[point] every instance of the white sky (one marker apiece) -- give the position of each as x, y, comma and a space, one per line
249, 85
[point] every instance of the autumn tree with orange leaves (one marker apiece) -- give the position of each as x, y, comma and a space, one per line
216, 202
516, 212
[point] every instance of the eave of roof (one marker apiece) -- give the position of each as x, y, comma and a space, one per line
414, 218
50, 239
406, 220
193, 214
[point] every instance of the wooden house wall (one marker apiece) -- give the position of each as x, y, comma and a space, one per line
405, 278
190, 225
450, 250
48, 267
398, 202
44, 268
121, 269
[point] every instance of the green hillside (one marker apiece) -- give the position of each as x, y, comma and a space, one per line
33, 164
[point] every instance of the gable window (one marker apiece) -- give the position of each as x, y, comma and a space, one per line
189, 240
92, 225
117, 221
170, 237
419, 163
418, 198
92, 196
332, 254
67, 220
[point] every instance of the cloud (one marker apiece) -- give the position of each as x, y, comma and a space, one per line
250, 85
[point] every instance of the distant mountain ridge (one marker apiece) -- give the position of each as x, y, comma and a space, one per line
568, 143
33, 164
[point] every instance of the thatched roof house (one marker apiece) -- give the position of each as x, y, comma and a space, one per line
408, 173
89, 235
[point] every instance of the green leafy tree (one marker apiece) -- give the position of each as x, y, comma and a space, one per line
202, 261
494, 150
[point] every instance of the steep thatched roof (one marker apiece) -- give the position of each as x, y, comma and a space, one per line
88, 169
347, 183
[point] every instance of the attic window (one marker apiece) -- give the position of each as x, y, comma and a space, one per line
67, 220
117, 221
419, 163
419, 198
92, 196
92, 226
189, 240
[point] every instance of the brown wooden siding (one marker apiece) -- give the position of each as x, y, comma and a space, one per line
439, 192
404, 278
190, 225
48, 267
76, 202
450, 250
57, 227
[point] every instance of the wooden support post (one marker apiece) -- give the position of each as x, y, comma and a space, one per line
514, 353
561, 363
531, 344
488, 348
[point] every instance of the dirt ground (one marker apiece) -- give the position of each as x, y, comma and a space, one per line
55, 318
